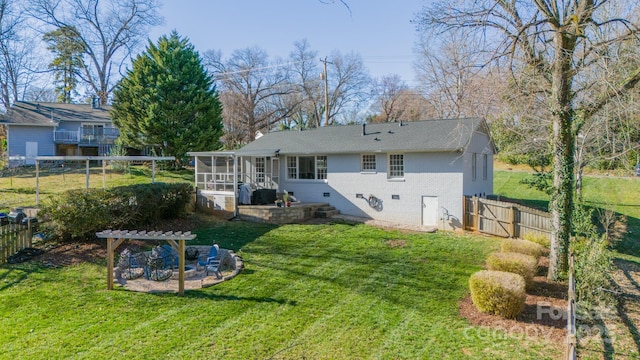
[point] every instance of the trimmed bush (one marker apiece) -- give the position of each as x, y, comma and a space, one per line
498, 292
523, 247
79, 214
521, 264
538, 239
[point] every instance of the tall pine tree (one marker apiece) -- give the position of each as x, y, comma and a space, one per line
168, 102
65, 43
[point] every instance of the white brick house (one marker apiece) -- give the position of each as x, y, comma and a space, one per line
418, 170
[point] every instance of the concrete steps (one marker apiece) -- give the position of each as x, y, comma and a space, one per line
326, 211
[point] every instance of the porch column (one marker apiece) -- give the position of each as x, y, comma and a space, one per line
235, 185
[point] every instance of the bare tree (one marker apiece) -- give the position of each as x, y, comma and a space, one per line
559, 40
455, 76
308, 98
347, 82
389, 90
108, 29
250, 87
18, 60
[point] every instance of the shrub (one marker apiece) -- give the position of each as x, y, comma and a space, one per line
538, 239
592, 265
521, 264
80, 213
522, 247
498, 292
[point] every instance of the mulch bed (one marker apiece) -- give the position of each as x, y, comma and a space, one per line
544, 315
71, 253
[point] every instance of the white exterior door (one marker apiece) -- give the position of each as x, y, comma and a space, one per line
430, 210
31, 152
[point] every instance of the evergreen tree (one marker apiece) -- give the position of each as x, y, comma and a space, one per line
168, 102
65, 43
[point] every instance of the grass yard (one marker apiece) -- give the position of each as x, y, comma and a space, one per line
327, 291
330, 291
18, 186
620, 326
619, 194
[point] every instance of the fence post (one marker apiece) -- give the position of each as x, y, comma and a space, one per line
512, 224
464, 212
29, 232
476, 215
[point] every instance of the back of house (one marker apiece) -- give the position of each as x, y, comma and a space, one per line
48, 129
406, 172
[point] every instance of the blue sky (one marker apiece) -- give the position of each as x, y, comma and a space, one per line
379, 30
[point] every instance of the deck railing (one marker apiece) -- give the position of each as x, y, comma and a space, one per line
104, 136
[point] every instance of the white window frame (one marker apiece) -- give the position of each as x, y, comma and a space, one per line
485, 166
319, 164
321, 167
260, 169
474, 170
292, 167
395, 169
368, 163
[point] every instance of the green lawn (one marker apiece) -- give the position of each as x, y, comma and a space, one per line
329, 291
18, 186
620, 194
308, 291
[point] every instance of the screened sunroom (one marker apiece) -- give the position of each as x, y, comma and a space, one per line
220, 175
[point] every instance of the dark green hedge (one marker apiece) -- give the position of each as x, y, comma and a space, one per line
78, 214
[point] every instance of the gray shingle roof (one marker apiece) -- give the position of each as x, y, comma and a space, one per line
48, 114
441, 135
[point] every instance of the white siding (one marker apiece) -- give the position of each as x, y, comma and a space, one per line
18, 136
479, 145
426, 174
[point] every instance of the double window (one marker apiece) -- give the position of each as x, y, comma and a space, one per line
307, 167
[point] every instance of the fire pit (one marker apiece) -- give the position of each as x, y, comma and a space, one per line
189, 271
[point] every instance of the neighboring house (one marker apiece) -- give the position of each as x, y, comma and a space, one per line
41, 129
418, 170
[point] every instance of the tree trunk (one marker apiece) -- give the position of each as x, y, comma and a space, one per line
563, 155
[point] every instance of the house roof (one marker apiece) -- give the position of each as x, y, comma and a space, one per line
49, 114
442, 135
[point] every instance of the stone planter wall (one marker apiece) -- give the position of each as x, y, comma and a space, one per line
279, 215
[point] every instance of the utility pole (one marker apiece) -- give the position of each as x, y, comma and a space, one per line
326, 92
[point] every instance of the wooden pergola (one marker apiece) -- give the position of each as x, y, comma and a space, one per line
116, 237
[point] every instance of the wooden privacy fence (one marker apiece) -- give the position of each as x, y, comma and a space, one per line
503, 218
13, 238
